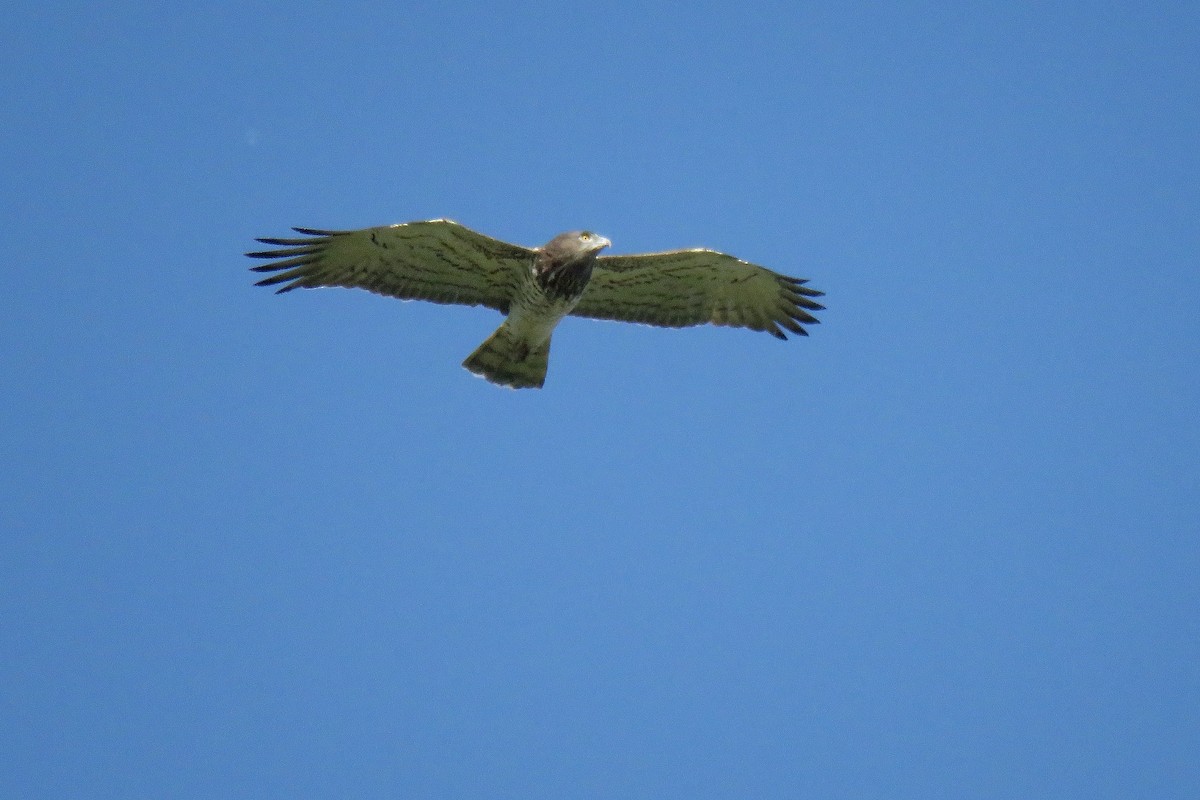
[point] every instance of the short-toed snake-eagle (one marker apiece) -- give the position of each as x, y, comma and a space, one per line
444, 262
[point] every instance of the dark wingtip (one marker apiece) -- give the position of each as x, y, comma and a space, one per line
798, 285
318, 232
791, 324
274, 280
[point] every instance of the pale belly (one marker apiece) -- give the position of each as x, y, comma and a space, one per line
534, 316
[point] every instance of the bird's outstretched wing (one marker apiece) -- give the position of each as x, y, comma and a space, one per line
438, 260
693, 287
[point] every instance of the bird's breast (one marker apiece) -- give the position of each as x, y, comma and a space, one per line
538, 307
564, 282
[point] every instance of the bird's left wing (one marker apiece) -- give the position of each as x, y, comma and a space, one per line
438, 260
693, 287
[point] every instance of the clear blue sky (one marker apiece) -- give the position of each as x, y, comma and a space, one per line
285, 547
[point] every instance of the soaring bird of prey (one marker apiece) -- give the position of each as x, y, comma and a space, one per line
444, 262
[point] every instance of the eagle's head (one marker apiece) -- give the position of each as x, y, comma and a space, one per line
574, 246
564, 265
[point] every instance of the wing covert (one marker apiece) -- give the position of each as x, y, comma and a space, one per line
692, 287
438, 260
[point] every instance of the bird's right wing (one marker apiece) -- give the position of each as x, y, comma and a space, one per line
438, 260
693, 287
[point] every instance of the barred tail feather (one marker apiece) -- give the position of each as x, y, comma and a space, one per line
508, 360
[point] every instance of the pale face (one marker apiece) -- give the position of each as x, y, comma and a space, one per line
592, 242
573, 244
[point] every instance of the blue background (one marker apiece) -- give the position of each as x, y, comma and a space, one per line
285, 547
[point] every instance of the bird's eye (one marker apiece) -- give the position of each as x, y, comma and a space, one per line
585, 236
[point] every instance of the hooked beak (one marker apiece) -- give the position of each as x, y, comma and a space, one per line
599, 243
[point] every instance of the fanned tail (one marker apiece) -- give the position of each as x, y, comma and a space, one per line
509, 360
